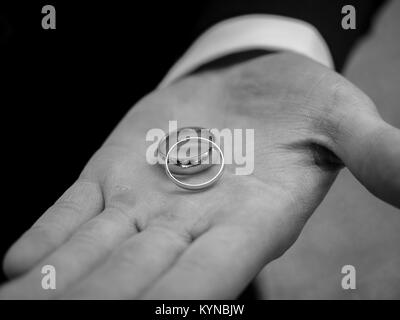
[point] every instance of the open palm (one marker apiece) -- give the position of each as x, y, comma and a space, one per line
124, 230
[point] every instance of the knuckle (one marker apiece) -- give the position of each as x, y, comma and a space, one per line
122, 215
79, 191
63, 207
175, 236
94, 235
58, 218
163, 242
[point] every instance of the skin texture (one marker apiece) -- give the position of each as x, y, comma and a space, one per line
351, 226
124, 230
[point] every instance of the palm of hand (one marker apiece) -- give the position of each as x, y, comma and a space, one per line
124, 230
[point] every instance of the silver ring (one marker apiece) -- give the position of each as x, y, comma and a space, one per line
187, 165
198, 186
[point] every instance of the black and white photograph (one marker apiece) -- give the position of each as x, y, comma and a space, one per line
237, 151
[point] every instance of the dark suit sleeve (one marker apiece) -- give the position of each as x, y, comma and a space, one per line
325, 15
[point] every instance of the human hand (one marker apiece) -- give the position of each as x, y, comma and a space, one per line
124, 230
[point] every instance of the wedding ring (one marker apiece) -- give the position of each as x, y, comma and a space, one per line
191, 164
197, 186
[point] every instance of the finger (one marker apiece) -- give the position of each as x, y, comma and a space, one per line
79, 203
133, 267
369, 147
221, 263
85, 249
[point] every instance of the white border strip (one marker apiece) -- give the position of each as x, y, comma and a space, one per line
252, 32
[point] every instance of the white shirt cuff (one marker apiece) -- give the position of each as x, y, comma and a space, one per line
249, 32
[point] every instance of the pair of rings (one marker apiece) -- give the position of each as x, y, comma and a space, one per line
181, 161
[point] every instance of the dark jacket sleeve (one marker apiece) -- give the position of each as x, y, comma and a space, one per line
325, 15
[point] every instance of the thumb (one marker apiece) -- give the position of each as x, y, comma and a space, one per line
369, 146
